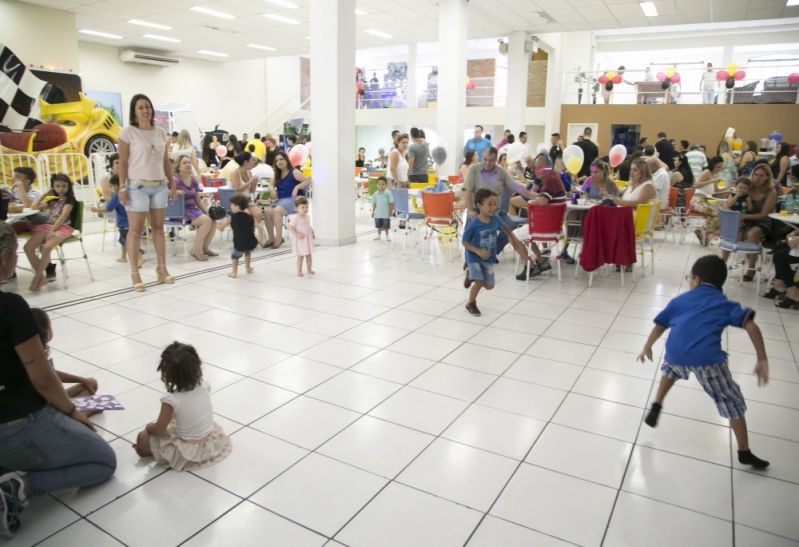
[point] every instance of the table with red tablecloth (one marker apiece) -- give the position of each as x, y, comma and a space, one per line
608, 237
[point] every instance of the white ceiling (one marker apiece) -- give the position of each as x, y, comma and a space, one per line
406, 20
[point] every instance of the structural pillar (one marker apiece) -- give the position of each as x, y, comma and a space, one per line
451, 104
518, 66
333, 120
411, 82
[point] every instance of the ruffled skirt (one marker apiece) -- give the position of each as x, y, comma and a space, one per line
185, 454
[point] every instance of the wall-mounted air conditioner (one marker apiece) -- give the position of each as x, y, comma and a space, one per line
131, 56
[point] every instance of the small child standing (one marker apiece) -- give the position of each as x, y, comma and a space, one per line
243, 226
302, 236
382, 207
113, 204
185, 435
697, 319
480, 242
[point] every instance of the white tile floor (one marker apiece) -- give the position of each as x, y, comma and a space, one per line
367, 408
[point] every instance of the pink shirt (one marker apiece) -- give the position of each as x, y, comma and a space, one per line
146, 161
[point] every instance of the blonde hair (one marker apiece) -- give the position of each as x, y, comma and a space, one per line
184, 139
176, 163
643, 167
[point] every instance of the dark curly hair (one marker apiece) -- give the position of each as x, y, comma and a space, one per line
180, 367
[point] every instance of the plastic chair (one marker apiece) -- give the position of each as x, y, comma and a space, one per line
224, 198
402, 209
545, 225
439, 209
729, 227
77, 236
644, 222
175, 216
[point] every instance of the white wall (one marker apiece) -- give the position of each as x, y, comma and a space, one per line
282, 93
232, 94
39, 36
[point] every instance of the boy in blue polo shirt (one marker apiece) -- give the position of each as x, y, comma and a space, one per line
382, 207
697, 319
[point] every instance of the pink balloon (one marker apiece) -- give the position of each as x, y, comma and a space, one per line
470, 85
221, 151
722, 75
295, 157
661, 76
675, 79
617, 155
740, 75
617, 79
603, 79
793, 78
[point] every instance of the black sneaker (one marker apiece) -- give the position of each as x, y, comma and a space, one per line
564, 256
10, 504
50, 271
543, 266
535, 270
471, 307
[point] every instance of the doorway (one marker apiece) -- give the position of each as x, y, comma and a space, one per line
627, 135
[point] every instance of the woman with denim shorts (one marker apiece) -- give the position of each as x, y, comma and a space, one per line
288, 183
144, 172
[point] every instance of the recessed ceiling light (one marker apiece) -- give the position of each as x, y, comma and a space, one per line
649, 9
213, 12
100, 34
212, 53
148, 24
284, 4
161, 38
282, 19
792, 3
378, 33
360, 12
258, 46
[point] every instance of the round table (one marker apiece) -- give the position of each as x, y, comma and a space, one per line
791, 220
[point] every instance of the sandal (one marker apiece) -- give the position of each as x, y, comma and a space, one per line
772, 293
138, 286
749, 275
165, 277
787, 303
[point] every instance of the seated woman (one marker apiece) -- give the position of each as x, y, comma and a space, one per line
288, 184
785, 289
641, 189
705, 186
599, 184
533, 174
245, 183
756, 224
469, 158
196, 213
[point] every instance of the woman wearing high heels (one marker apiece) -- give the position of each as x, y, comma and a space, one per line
144, 176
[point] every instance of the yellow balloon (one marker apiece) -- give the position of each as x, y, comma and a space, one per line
670, 71
611, 74
731, 69
573, 165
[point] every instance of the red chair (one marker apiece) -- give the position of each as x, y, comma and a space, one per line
545, 225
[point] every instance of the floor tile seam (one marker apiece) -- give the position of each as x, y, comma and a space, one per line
769, 532
730, 520
94, 511
703, 460
504, 519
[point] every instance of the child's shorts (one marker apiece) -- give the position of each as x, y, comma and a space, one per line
237, 254
717, 382
65, 230
123, 236
482, 271
382, 223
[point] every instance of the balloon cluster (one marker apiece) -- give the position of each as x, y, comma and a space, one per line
730, 75
671, 76
609, 78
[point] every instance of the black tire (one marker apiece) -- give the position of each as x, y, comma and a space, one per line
101, 144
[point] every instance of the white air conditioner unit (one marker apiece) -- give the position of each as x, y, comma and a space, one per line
131, 56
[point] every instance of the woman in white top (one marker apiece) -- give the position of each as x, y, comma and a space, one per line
640, 190
184, 148
704, 186
244, 182
144, 172
398, 164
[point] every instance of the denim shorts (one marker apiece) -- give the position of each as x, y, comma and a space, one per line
482, 271
717, 382
287, 204
144, 195
382, 223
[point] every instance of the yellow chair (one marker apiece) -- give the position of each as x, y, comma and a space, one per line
644, 221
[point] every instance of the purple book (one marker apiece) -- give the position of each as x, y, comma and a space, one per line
97, 403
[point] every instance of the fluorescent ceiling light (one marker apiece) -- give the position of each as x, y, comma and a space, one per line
282, 19
378, 33
212, 53
258, 46
161, 38
213, 12
284, 4
359, 12
792, 3
148, 24
100, 34
649, 9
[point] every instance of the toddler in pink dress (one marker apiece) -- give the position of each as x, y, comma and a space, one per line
302, 236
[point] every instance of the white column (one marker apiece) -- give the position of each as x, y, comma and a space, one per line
518, 63
411, 85
333, 120
451, 107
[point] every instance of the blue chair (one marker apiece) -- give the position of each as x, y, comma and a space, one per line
175, 217
402, 209
224, 198
729, 226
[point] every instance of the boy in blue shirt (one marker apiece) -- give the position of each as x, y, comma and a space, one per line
697, 319
114, 205
480, 241
382, 207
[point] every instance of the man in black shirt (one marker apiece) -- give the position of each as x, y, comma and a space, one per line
590, 152
556, 151
665, 150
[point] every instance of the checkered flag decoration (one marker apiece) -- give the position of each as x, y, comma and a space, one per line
19, 89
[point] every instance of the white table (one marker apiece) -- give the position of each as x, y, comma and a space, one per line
210, 190
580, 206
13, 217
791, 220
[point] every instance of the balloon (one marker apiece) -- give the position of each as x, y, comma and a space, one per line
675, 79
793, 78
730, 83
381, 151
573, 158
617, 155
721, 75
610, 74
609, 86
221, 151
616, 79
739, 75
470, 85
295, 158
301, 150
661, 76
670, 72
359, 85
603, 79
439, 155
731, 68
665, 84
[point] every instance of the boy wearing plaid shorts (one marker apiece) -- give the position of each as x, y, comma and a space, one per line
697, 319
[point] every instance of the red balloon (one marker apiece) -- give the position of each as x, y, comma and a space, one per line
295, 157
793, 78
675, 78
603, 79
359, 85
740, 75
470, 85
617, 79
722, 75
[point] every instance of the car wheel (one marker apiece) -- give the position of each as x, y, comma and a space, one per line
99, 144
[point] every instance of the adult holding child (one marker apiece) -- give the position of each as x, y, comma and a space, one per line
244, 182
288, 184
755, 222
144, 169
41, 432
195, 211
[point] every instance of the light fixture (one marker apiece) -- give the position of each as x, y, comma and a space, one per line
100, 34
282, 19
792, 3
284, 4
545, 16
161, 38
360, 12
212, 12
212, 53
258, 46
148, 24
649, 9
378, 33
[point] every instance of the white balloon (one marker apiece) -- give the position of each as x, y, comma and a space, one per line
301, 149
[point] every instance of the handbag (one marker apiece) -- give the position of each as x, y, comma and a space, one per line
216, 212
